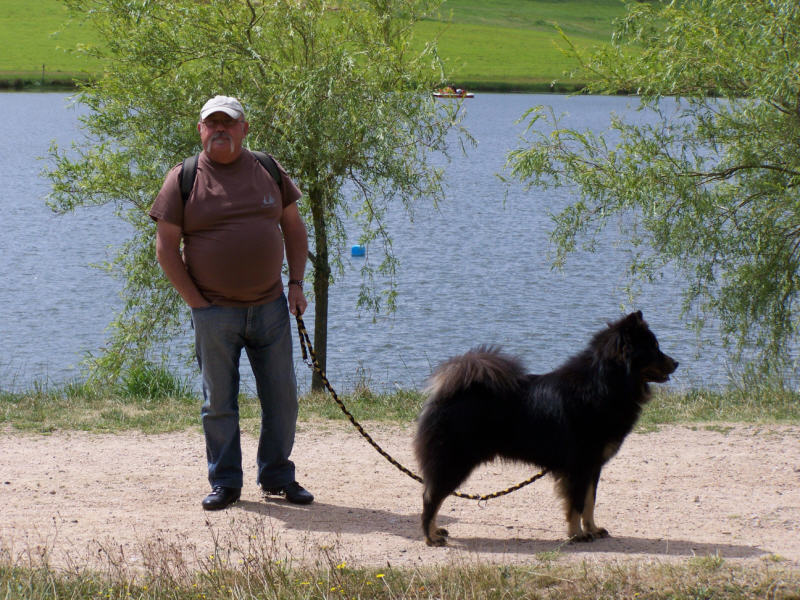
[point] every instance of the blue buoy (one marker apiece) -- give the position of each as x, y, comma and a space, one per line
357, 250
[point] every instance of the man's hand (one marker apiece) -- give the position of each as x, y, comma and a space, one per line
297, 300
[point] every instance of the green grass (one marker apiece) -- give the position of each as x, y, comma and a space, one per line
524, 60
487, 44
582, 17
35, 35
735, 405
262, 573
152, 401
514, 44
83, 407
155, 402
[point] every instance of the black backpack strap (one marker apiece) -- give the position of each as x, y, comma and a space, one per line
187, 175
269, 164
189, 172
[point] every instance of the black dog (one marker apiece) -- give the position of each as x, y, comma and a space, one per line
571, 421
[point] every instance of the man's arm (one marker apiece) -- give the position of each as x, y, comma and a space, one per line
295, 238
168, 245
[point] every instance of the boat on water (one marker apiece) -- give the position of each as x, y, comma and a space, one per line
450, 92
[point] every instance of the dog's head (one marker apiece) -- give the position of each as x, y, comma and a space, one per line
630, 342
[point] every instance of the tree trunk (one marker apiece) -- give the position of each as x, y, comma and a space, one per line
322, 271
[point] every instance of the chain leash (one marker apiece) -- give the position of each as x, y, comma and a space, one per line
310, 358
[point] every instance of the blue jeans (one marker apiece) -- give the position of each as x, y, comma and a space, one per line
265, 333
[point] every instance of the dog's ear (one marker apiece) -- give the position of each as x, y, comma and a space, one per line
635, 318
617, 346
634, 321
613, 346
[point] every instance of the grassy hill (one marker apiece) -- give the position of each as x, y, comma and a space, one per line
513, 44
488, 44
34, 36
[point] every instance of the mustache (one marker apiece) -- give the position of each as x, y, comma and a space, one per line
219, 135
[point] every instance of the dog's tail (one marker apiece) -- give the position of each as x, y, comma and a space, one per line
488, 367
463, 393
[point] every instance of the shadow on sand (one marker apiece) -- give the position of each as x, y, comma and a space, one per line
330, 518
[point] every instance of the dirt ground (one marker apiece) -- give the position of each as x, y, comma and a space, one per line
682, 491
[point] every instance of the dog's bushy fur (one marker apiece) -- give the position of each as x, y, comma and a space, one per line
482, 405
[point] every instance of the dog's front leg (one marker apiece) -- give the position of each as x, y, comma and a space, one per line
589, 526
574, 529
579, 496
574, 496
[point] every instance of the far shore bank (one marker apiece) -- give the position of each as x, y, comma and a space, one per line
15, 82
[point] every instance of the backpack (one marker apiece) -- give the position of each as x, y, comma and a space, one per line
189, 171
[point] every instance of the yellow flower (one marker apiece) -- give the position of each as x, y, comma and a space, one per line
379, 575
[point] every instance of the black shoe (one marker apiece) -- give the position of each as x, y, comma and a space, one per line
294, 493
221, 497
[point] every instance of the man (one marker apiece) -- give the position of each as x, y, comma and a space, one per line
234, 227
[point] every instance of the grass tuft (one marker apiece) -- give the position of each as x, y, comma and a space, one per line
94, 407
756, 405
146, 380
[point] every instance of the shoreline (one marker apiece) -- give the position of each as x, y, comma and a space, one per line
67, 82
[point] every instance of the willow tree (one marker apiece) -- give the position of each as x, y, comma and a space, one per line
710, 187
339, 91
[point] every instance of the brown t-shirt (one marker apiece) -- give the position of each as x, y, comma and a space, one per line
232, 242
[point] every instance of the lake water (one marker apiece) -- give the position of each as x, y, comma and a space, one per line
474, 272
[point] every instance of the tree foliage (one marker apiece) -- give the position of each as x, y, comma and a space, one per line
335, 90
711, 187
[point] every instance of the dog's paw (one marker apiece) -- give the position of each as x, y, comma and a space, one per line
588, 536
439, 537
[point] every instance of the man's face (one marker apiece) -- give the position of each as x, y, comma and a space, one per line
222, 136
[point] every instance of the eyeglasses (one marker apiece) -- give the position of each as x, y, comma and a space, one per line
214, 123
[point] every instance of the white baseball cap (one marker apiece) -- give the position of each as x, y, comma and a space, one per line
230, 106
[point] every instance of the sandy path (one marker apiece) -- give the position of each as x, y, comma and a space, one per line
676, 493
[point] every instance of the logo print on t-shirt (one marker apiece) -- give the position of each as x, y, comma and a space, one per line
268, 201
